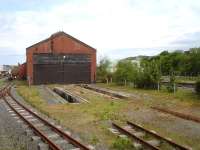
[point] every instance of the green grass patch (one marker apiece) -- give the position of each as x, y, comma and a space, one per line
122, 144
92, 120
31, 95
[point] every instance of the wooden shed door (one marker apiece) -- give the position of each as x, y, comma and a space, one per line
61, 69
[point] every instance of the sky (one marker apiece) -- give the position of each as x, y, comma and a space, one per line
116, 28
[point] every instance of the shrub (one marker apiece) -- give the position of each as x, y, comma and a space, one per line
197, 87
172, 85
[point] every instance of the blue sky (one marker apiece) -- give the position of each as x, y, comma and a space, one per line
116, 28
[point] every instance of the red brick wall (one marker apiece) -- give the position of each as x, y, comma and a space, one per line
61, 44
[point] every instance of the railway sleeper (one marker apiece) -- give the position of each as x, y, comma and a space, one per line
40, 126
154, 142
137, 145
43, 146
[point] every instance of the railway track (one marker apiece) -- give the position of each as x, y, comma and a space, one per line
144, 138
48, 132
4, 90
178, 114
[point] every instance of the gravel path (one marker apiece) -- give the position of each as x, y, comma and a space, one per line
50, 96
12, 136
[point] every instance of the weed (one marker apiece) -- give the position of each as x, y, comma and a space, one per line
122, 144
94, 140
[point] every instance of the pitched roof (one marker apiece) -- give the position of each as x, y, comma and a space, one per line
59, 34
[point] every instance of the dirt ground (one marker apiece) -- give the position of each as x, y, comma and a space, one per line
92, 120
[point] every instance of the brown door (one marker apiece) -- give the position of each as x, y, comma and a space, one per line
44, 74
54, 69
77, 73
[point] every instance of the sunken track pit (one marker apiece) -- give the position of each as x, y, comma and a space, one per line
49, 133
144, 138
104, 91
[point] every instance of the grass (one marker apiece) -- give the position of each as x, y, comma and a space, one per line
92, 120
186, 97
2, 82
183, 79
122, 144
89, 120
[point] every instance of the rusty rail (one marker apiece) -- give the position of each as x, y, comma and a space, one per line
45, 138
178, 114
157, 136
141, 141
104, 91
60, 132
4, 90
54, 128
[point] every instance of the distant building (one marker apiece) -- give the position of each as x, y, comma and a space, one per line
136, 59
1, 68
5, 69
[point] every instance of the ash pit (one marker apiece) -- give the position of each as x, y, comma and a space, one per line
65, 95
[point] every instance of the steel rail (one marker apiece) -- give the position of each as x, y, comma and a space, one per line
57, 130
4, 90
157, 136
141, 141
178, 114
44, 138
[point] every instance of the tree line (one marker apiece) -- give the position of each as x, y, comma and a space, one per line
148, 73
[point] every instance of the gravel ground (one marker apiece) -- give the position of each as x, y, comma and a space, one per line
168, 124
12, 136
45, 116
49, 95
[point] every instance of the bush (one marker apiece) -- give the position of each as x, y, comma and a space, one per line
197, 87
172, 85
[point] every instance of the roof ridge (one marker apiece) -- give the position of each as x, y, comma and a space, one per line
60, 33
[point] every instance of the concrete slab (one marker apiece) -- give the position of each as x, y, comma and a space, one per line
91, 147
35, 138
53, 136
22, 110
13, 114
155, 143
29, 116
43, 146
139, 134
39, 125
137, 146
29, 132
113, 130
68, 133
127, 127
32, 120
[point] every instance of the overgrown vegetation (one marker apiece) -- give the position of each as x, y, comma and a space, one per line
197, 87
122, 144
185, 63
150, 70
92, 120
104, 70
126, 71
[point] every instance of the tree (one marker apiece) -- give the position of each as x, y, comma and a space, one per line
149, 74
104, 70
126, 71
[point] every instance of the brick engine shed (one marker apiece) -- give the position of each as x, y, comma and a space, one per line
61, 58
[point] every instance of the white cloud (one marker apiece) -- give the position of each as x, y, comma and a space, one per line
105, 24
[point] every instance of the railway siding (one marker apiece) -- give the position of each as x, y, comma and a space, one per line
45, 131
144, 138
